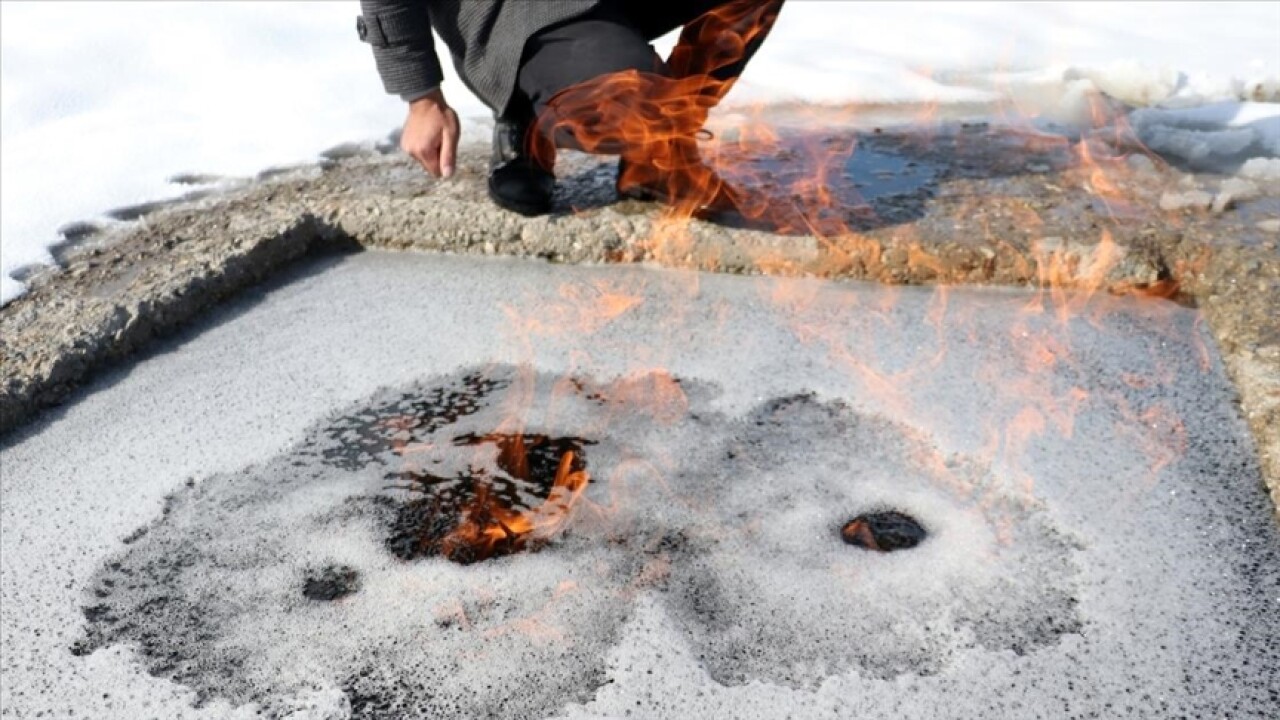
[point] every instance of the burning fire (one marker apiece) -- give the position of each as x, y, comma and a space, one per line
653, 123
488, 528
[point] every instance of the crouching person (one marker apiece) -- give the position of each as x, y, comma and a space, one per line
578, 74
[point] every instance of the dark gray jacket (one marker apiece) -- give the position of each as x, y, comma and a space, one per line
485, 37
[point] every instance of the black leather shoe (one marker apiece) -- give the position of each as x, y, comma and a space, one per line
516, 181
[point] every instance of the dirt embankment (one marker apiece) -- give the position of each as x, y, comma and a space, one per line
971, 204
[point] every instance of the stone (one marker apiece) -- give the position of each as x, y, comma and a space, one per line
883, 531
1189, 200
1141, 164
1232, 192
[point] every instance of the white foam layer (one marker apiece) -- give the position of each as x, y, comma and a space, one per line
1120, 562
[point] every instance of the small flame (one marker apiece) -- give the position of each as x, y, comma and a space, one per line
489, 528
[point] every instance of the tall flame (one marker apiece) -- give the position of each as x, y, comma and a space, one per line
652, 121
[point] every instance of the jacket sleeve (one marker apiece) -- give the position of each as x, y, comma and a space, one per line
403, 49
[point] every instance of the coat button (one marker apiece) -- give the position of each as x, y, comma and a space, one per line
361, 29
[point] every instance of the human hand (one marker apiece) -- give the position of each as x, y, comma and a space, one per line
430, 134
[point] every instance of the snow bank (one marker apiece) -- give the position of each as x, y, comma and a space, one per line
948, 52
102, 102
1212, 137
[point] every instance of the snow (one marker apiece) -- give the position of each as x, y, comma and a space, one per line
101, 102
730, 425
1261, 169
1211, 136
946, 52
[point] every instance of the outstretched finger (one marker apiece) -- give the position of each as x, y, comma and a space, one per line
430, 159
448, 156
449, 152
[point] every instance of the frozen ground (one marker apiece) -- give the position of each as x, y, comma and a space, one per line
122, 96
236, 519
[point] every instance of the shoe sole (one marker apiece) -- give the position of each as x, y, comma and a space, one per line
525, 209
640, 194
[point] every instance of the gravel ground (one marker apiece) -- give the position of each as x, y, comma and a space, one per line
964, 204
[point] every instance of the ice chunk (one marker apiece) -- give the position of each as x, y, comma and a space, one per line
1130, 81
1261, 169
1233, 191
1212, 137
1187, 200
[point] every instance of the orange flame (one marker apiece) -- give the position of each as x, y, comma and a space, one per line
652, 122
489, 528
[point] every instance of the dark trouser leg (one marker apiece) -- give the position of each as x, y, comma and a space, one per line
654, 20
577, 52
596, 84
557, 58
715, 45
721, 41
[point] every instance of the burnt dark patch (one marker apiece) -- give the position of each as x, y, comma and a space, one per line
879, 183
330, 583
885, 531
379, 692
370, 704
193, 592
531, 458
98, 614
528, 465
361, 438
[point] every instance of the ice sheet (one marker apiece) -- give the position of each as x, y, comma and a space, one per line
1122, 564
